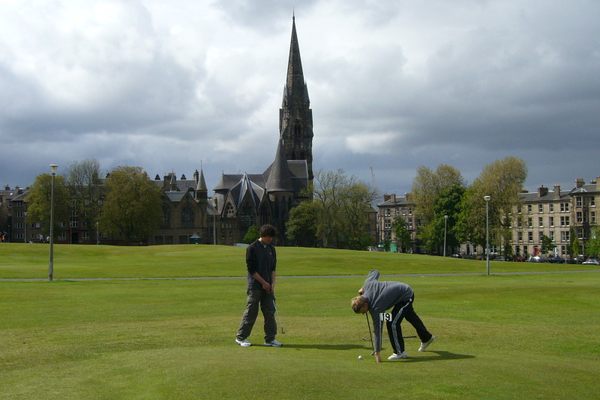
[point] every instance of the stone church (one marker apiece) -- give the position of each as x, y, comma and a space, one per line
243, 200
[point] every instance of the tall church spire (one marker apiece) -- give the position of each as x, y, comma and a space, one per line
295, 115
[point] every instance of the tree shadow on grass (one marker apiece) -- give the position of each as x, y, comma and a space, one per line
439, 355
323, 346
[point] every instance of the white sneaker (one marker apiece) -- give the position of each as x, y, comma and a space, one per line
425, 345
243, 343
274, 343
400, 356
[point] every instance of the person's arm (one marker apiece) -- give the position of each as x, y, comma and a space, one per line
373, 275
377, 327
265, 285
273, 279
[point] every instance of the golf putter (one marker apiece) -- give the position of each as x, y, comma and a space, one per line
370, 334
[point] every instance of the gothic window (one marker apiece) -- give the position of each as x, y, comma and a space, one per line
187, 216
166, 216
229, 211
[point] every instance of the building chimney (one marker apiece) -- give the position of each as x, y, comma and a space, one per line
389, 197
579, 182
598, 183
557, 190
542, 191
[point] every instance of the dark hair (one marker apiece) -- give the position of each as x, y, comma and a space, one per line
268, 230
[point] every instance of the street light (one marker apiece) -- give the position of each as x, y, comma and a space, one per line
97, 234
53, 168
487, 232
445, 231
25, 225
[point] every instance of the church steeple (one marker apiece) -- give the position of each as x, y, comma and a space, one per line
280, 177
295, 115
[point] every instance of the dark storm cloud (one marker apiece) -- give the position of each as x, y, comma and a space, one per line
393, 85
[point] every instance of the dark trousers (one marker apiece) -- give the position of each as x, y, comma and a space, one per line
266, 301
399, 312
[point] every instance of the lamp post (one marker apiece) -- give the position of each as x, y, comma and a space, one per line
445, 232
487, 232
97, 234
53, 168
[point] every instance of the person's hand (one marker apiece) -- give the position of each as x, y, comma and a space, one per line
361, 291
267, 287
377, 357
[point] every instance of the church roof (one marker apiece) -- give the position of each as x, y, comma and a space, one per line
280, 176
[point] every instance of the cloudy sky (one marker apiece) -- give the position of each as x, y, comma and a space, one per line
170, 85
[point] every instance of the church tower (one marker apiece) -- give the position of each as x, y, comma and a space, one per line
295, 115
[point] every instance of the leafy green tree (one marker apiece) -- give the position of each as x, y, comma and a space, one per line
85, 190
132, 206
301, 227
252, 234
547, 244
402, 234
38, 203
593, 245
502, 180
343, 204
574, 245
429, 184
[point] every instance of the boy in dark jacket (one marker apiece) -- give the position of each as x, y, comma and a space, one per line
261, 262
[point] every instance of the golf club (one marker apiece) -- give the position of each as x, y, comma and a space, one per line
370, 334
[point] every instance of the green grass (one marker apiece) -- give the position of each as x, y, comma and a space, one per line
500, 337
76, 261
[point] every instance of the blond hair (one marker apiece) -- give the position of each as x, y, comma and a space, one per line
357, 303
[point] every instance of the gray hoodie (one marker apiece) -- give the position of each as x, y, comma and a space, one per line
382, 296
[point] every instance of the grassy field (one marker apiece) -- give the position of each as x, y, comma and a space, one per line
500, 337
72, 261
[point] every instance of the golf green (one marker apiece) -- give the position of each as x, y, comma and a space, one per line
499, 337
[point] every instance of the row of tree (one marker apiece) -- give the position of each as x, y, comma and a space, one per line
126, 206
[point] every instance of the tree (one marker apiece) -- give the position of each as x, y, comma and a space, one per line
251, 234
132, 206
593, 245
343, 206
301, 227
85, 189
38, 203
502, 180
428, 185
402, 234
547, 244
574, 246
447, 204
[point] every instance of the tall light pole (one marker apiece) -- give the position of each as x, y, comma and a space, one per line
53, 168
487, 232
97, 234
25, 225
445, 232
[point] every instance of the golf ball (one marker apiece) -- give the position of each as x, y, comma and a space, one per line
360, 357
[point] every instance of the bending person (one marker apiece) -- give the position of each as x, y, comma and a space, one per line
376, 297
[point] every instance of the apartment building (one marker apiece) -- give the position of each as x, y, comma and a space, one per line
392, 208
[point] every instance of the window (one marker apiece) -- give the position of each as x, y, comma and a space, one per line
530, 222
578, 201
540, 221
551, 207
387, 212
592, 202
528, 208
519, 236
564, 207
519, 209
579, 217
564, 221
540, 208
530, 236
551, 235
551, 221
565, 236
592, 217
519, 222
